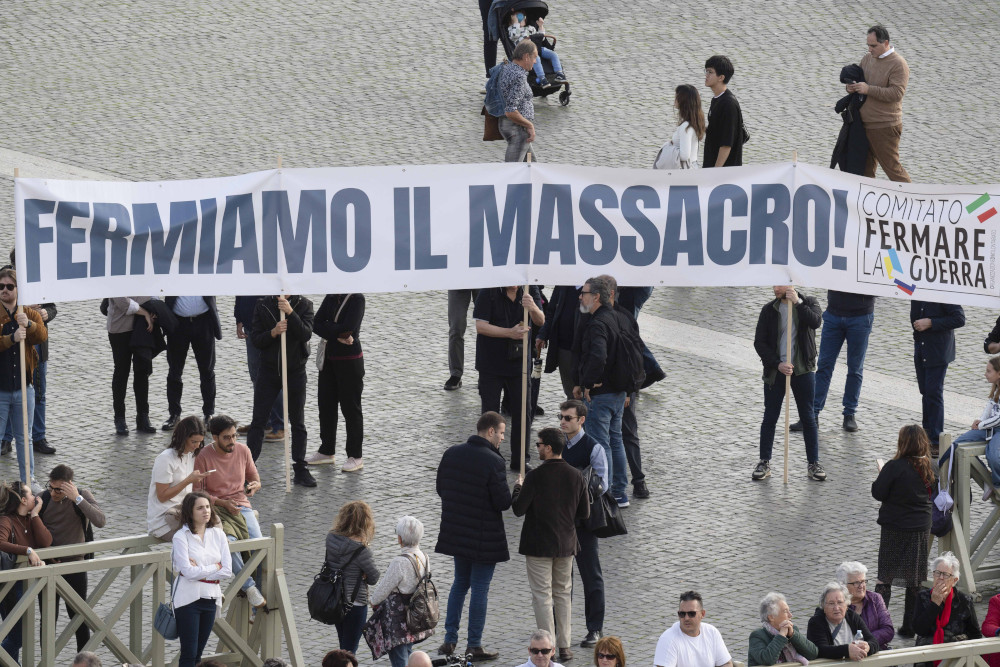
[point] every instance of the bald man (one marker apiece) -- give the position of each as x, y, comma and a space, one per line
419, 659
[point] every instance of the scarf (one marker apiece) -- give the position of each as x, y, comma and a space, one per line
788, 654
942, 620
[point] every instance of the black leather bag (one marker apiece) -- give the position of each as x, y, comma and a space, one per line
327, 596
614, 522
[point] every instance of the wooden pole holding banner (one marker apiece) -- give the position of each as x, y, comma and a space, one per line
25, 433
284, 397
788, 378
525, 369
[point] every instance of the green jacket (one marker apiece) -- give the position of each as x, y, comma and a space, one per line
234, 525
765, 648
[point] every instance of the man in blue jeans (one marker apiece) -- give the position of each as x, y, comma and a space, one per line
472, 483
848, 318
598, 338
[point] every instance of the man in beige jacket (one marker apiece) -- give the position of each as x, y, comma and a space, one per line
886, 75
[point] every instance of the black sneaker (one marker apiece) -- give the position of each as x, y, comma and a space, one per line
121, 428
170, 423
639, 489
6, 447
590, 641
816, 472
762, 471
560, 77
850, 424
539, 412
543, 83
142, 424
42, 446
453, 383
304, 478
797, 426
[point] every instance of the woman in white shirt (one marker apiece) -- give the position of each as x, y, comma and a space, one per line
173, 478
681, 152
403, 574
200, 560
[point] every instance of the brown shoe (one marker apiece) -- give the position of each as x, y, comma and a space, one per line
243, 430
446, 648
275, 435
479, 654
565, 655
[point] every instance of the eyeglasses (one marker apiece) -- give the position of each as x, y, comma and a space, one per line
689, 614
7, 286
54, 489
539, 444
607, 656
588, 292
938, 574
543, 651
863, 582
567, 418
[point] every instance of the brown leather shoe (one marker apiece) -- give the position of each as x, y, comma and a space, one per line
565, 655
446, 648
479, 654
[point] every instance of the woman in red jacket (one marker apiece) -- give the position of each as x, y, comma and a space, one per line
991, 628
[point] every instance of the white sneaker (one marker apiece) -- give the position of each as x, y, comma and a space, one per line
353, 465
987, 492
255, 598
319, 459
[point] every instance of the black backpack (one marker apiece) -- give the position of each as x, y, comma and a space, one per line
624, 368
88, 528
327, 597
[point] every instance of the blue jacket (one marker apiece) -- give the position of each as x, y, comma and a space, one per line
936, 346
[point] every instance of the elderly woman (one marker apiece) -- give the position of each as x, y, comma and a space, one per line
403, 574
834, 627
944, 614
779, 640
541, 650
868, 604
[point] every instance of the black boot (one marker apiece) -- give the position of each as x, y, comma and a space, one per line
142, 424
121, 428
909, 605
885, 590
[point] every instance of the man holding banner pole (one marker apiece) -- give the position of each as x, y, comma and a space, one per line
20, 330
798, 371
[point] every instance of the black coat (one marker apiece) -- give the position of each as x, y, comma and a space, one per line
936, 346
819, 634
472, 483
961, 622
851, 151
300, 325
598, 336
906, 502
558, 315
768, 334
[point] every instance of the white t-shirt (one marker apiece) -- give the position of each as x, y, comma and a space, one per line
169, 469
676, 649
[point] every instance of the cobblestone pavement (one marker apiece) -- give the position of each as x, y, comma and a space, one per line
150, 90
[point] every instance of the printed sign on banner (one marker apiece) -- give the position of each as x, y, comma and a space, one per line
382, 229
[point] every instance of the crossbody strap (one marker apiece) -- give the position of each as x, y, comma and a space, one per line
357, 584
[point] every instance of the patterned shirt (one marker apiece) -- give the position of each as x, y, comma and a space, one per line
515, 90
519, 32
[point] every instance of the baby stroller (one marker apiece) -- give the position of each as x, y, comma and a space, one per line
499, 18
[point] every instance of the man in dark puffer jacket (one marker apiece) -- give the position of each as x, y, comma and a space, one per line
472, 483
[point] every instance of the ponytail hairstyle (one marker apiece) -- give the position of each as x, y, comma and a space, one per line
916, 446
689, 108
994, 362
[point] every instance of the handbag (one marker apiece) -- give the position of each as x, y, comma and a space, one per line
165, 622
386, 628
491, 127
614, 522
423, 610
327, 596
595, 489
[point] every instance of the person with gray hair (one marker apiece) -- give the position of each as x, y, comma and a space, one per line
86, 659
835, 626
868, 604
541, 650
604, 391
930, 622
519, 111
403, 575
778, 640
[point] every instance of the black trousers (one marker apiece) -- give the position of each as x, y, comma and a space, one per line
78, 582
630, 438
490, 388
121, 353
588, 560
489, 45
265, 390
195, 333
340, 385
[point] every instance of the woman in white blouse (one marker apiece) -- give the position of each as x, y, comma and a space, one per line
681, 152
403, 574
173, 478
200, 560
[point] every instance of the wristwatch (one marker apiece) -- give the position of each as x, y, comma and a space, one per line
78, 499
29, 551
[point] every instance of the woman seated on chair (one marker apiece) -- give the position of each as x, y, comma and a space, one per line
778, 640
944, 614
868, 604
834, 627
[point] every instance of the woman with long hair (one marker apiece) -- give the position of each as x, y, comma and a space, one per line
347, 550
986, 428
173, 478
681, 152
904, 487
200, 559
21, 532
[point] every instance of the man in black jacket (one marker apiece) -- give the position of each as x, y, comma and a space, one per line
934, 327
197, 328
552, 498
770, 343
267, 330
472, 484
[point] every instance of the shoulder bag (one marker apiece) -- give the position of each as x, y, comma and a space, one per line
422, 610
164, 621
327, 596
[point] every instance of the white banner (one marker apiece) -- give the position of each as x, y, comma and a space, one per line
387, 229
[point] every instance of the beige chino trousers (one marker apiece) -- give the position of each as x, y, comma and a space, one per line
551, 583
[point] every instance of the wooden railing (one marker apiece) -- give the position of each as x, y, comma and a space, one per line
957, 654
241, 640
